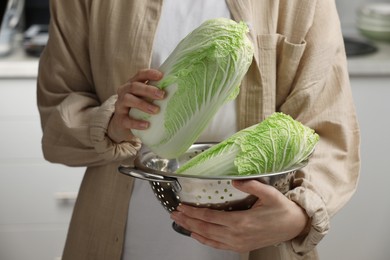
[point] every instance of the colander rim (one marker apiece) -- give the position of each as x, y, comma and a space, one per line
145, 152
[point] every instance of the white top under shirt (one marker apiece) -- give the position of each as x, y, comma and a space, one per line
149, 234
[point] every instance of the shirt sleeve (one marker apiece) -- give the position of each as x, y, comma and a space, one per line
321, 98
74, 118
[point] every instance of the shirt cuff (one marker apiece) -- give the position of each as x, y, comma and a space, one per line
104, 146
318, 216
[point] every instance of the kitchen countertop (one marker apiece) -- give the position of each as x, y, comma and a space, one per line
20, 65
371, 65
376, 64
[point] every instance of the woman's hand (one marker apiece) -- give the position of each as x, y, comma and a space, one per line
135, 93
273, 219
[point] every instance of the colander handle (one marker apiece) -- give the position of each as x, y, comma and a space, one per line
136, 173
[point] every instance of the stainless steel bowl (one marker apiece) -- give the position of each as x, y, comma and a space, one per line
216, 192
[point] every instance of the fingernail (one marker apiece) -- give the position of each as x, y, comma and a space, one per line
153, 109
159, 73
160, 93
144, 125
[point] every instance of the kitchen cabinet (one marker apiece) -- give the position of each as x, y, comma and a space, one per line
361, 230
36, 197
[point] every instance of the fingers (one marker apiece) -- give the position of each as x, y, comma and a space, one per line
196, 225
266, 193
135, 93
206, 227
146, 75
217, 217
212, 243
206, 232
130, 123
129, 100
141, 90
235, 245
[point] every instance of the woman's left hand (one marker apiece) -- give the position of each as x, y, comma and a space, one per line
271, 220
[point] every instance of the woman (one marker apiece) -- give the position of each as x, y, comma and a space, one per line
84, 95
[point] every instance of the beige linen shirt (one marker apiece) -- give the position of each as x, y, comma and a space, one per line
299, 68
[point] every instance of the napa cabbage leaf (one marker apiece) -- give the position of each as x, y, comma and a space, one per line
203, 72
277, 143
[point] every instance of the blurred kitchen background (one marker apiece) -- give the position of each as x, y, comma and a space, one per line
36, 197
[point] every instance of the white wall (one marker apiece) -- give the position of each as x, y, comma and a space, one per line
347, 10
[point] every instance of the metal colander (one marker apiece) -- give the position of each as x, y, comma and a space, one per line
216, 192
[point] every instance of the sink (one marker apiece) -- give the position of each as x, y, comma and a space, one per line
356, 47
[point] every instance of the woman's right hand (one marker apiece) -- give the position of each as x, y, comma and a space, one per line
135, 93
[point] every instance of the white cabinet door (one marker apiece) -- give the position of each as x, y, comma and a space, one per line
361, 230
36, 201
36, 197
20, 131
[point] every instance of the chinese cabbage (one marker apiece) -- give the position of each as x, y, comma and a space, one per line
202, 73
275, 144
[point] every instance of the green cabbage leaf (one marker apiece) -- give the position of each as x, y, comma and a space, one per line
276, 144
203, 72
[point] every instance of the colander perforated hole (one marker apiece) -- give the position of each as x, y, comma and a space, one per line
165, 193
211, 193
